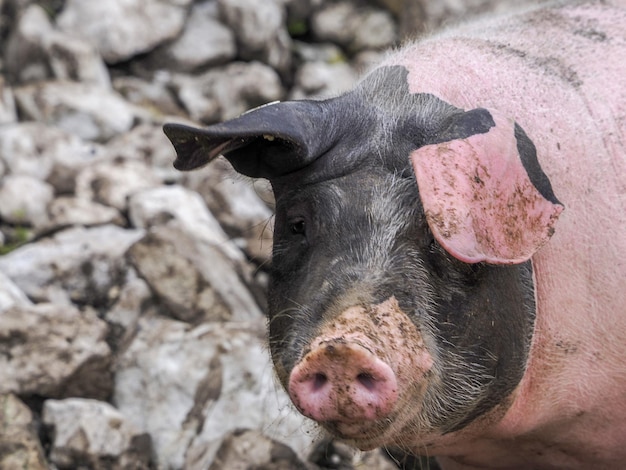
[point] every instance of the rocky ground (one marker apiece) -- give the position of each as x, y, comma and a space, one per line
132, 328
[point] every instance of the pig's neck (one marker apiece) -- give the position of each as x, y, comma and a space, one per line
567, 411
569, 405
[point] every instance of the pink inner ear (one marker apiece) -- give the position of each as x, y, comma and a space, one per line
478, 199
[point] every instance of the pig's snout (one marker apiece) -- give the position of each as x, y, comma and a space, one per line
340, 380
359, 369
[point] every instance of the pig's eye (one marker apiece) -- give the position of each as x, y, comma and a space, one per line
297, 227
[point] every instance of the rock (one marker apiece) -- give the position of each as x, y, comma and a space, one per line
198, 98
226, 92
187, 210
76, 265
365, 61
374, 29
94, 434
354, 28
152, 95
394, 6
113, 181
260, 30
89, 111
323, 80
121, 29
205, 41
324, 52
11, 295
37, 51
194, 280
158, 206
333, 22
19, 444
8, 113
237, 205
244, 449
324, 72
213, 379
69, 158
73, 58
328, 453
25, 55
24, 200
300, 10
46, 153
53, 351
411, 16
255, 24
146, 143
133, 300
68, 210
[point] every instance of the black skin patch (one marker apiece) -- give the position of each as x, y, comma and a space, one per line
502, 296
528, 154
330, 164
464, 125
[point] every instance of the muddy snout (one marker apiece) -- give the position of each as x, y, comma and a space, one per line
359, 365
343, 381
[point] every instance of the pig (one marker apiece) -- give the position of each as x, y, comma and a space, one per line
449, 262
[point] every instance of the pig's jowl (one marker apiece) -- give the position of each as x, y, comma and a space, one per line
427, 289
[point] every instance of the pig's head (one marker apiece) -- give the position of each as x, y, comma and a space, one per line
401, 300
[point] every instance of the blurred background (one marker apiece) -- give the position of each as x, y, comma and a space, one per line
132, 296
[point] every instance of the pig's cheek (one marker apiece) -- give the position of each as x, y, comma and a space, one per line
413, 368
415, 371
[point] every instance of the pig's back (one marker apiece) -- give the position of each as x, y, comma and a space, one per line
561, 74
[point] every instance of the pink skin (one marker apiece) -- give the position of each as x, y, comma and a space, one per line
352, 377
569, 410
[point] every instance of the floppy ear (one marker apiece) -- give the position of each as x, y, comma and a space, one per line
266, 142
485, 196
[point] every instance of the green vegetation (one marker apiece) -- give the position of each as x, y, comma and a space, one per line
20, 236
297, 28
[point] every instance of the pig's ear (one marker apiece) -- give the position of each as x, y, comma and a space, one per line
266, 142
485, 196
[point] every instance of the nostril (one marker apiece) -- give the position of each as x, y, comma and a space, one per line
367, 380
319, 380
